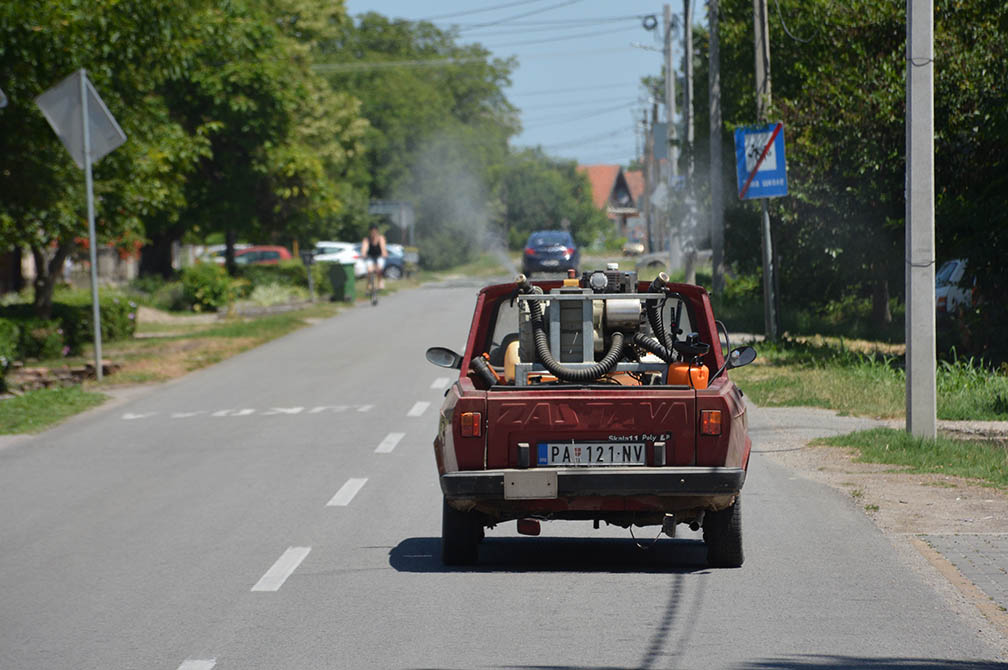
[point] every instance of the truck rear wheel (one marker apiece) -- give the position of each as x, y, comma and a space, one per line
722, 533
461, 533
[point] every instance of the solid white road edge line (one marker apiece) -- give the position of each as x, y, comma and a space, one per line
347, 492
419, 408
389, 443
194, 664
440, 383
282, 569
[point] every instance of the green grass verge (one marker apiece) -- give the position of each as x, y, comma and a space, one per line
37, 410
792, 373
974, 459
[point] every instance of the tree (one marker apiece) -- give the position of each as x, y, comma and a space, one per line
42, 200
540, 193
438, 124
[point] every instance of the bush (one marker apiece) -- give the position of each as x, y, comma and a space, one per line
9, 332
286, 273
40, 338
275, 294
207, 287
74, 312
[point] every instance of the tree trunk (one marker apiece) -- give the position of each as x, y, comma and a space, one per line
156, 257
46, 274
881, 316
229, 254
15, 280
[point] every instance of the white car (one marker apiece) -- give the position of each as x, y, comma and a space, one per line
341, 252
952, 288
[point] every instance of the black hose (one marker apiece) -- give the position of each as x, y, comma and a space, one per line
483, 370
654, 346
563, 372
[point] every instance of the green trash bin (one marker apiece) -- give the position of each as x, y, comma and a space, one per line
341, 276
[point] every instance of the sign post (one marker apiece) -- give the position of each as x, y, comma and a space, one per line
762, 173
88, 131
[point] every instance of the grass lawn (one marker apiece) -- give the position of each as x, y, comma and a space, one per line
866, 381
986, 460
37, 410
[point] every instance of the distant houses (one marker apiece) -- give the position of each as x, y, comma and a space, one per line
619, 193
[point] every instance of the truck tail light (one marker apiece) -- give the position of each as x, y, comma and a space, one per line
710, 422
472, 424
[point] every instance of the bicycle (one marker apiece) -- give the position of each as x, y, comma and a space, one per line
373, 286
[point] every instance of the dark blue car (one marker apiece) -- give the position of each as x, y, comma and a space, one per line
550, 251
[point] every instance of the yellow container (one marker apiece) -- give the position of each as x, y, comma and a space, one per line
684, 374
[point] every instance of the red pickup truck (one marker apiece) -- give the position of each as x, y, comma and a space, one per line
598, 398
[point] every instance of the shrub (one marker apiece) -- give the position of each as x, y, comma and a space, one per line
74, 312
275, 294
40, 338
287, 273
9, 332
207, 287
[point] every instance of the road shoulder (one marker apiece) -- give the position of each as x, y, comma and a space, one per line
950, 530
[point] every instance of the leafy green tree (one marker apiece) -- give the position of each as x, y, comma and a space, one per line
438, 125
541, 193
127, 49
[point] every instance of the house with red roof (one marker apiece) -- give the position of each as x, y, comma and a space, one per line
619, 194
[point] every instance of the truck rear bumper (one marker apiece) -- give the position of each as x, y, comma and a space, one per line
540, 483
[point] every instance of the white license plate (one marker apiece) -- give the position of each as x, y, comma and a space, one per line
590, 453
550, 263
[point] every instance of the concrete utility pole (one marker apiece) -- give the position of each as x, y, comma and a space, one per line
689, 225
649, 182
921, 393
673, 144
716, 187
761, 30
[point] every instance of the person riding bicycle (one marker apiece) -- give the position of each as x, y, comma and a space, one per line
375, 250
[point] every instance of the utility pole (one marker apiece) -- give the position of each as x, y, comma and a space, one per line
761, 30
687, 228
673, 144
716, 187
921, 395
649, 181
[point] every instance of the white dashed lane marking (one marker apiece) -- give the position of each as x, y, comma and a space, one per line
419, 408
389, 443
282, 569
194, 664
365, 408
347, 493
440, 383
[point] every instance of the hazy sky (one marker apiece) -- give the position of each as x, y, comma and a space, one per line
578, 78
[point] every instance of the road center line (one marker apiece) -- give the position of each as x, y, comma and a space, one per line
347, 493
282, 569
440, 383
419, 408
389, 443
195, 664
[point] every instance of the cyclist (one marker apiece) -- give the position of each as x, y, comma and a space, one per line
375, 251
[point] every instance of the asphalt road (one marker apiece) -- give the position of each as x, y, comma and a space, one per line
281, 510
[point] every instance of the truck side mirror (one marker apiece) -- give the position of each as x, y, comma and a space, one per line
741, 356
444, 358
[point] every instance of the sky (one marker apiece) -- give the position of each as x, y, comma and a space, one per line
580, 64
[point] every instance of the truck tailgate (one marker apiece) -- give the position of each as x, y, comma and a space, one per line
624, 415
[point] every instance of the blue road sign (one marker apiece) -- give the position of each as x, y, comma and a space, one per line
759, 162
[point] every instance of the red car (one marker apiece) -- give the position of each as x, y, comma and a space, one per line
595, 398
265, 255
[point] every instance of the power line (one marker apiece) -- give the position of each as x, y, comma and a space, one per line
358, 66
540, 123
596, 87
558, 39
539, 29
588, 20
521, 16
480, 11
582, 140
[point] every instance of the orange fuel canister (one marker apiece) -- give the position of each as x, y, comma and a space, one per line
681, 374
